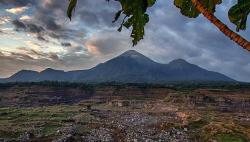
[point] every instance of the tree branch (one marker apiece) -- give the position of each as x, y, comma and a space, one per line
221, 26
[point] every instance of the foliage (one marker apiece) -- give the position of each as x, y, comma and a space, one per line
71, 7
188, 9
238, 14
135, 17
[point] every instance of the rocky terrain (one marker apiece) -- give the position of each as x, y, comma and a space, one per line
57, 112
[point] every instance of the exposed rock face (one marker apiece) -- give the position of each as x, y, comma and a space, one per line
34, 95
218, 99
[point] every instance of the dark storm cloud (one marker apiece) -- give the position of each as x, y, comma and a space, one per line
51, 15
32, 28
17, 2
31, 53
66, 44
45, 16
19, 25
41, 38
101, 17
47, 19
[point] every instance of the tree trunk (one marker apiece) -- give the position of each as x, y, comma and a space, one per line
221, 26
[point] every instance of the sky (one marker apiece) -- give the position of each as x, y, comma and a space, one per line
36, 34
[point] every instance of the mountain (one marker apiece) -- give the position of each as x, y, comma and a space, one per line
52, 75
1, 80
23, 76
33, 76
130, 67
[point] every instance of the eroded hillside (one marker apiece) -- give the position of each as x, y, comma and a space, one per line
124, 112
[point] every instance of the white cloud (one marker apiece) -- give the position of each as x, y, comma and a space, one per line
25, 18
17, 10
4, 19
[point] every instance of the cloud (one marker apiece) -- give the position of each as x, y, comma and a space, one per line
28, 27
66, 44
17, 10
36, 30
25, 18
19, 3
19, 25
92, 48
4, 19
32, 45
75, 49
32, 60
113, 42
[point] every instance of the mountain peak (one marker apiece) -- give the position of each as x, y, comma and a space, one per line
136, 56
179, 61
25, 71
131, 53
50, 70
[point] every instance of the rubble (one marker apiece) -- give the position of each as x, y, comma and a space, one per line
101, 134
135, 127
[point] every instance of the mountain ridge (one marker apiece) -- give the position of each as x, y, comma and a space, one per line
129, 67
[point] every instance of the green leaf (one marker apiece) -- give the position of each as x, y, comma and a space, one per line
117, 16
135, 17
238, 14
188, 9
71, 7
134, 12
151, 2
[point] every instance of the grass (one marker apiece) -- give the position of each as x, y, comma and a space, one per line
197, 124
49, 129
9, 134
38, 120
231, 138
82, 130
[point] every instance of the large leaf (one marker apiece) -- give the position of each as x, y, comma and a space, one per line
135, 17
188, 9
238, 14
71, 7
